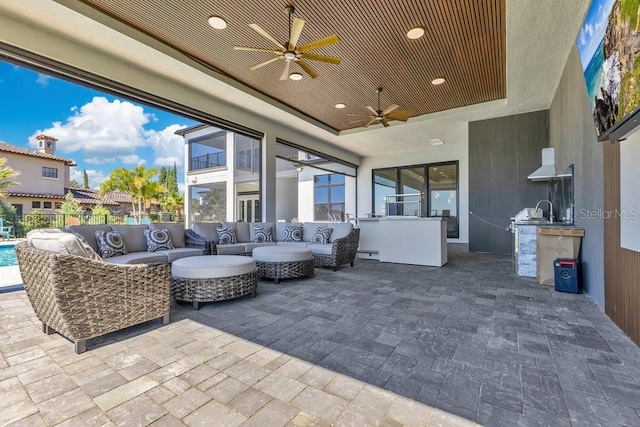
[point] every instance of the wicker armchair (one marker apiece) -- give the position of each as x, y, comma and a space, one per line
194, 240
83, 298
343, 251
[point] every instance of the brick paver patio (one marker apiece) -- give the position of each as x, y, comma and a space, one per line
377, 344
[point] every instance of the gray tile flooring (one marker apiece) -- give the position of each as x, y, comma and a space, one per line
467, 341
471, 338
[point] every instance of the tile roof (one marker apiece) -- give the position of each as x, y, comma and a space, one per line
92, 197
25, 151
34, 195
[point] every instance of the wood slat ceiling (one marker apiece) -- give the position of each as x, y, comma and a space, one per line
464, 43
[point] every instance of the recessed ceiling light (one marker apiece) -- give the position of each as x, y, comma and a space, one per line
400, 142
217, 22
438, 81
340, 106
436, 141
295, 76
415, 33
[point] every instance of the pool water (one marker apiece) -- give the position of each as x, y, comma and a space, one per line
7, 256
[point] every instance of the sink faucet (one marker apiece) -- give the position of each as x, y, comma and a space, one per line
550, 209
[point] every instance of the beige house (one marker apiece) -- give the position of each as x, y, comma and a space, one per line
44, 177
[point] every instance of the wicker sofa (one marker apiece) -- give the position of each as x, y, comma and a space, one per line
75, 293
136, 244
340, 249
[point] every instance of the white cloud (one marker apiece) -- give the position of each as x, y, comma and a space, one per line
168, 148
43, 80
132, 159
95, 177
100, 129
99, 160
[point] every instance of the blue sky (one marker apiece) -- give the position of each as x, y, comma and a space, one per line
99, 131
593, 29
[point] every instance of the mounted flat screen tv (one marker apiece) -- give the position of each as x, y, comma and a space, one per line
609, 47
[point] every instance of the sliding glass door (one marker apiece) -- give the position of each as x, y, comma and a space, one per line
428, 190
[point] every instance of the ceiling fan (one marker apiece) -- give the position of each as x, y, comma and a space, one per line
383, 116
290, 51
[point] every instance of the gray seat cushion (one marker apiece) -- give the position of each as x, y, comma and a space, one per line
231, 249
132, 236
321, 249
58, 241
88, 233
177, 253
293, 244
138, 258
249, 247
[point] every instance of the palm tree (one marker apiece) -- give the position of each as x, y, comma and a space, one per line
174, 202
7, 176
137, 183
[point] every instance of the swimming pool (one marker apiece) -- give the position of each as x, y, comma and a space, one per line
7, 256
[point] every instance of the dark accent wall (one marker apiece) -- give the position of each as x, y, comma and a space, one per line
502, 153
572, 133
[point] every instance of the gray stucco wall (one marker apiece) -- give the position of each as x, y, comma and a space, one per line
502, 153
572, 133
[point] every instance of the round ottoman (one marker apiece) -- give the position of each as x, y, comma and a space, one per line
283, 262
212, 278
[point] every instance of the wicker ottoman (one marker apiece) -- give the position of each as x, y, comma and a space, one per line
278, 262
212, 278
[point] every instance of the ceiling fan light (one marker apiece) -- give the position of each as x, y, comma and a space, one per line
340, 106
217, 22
295, 76
438, 81
415, 33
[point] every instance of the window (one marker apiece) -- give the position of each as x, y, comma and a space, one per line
47, 205
58, 205
35, 205
329, 197
49, 172
433, 189
209, 151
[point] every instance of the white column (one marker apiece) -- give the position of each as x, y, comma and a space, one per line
268, 178
231, 177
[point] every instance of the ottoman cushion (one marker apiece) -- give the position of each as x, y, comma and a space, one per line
212, 266
281, 254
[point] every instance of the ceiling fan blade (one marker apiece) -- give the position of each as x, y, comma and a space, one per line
400, 113
384, 123
263, 33
370, 123
319, 43
257, 49
375, 113
262, 64
285, 72
313, 57
307, 69
296, 29
389, 109
400, 119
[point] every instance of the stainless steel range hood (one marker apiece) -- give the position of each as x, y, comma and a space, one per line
548, 169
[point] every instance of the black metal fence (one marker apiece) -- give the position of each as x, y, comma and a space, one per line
21, 225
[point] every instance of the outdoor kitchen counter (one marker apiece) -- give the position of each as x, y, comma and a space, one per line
526, 245
404, 240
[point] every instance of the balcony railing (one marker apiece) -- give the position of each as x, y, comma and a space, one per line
210, 160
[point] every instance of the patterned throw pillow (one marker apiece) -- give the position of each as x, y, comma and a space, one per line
110, 243
293, 233
263, 234
226, 235
158, 240
322, 235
